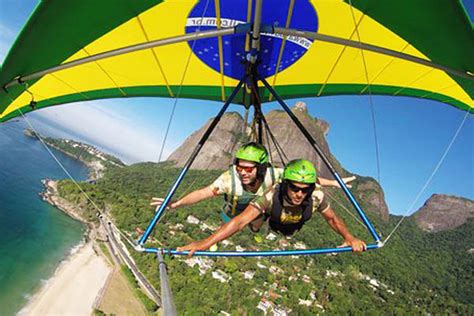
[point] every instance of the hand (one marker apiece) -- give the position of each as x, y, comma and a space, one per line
158, 201
356, 244
347, 181
193, 247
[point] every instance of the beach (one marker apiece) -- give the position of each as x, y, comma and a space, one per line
77, 284
85, 280
74, 288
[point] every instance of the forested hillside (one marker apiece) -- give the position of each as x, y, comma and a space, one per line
416, 272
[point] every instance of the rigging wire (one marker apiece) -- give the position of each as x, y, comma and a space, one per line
58, 162
344, 208
430, 178
267, 139
278, 148
180, 87
283, 158
409, 209
372, 109
99, 211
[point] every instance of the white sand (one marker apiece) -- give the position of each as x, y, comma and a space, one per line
73, 288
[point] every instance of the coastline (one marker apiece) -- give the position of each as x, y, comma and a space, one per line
78, 282
87, 279
51, 195
74, 286
96, 168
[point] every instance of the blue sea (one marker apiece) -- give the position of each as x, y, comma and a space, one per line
34, 236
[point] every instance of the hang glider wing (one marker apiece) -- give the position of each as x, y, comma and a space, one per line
61, 32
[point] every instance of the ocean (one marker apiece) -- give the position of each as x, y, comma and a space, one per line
34, 236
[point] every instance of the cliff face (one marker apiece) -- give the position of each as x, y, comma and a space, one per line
293, 142
217, 151
443, 212
230, 133
371, 196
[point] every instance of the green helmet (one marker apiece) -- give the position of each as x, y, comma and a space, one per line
300, 170
252, 152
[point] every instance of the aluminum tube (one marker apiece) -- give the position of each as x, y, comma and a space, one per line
125, 50
369, 47
169, 308
160, 209
268, 253
256, 24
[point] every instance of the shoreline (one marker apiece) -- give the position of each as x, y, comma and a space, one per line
74, 286
51, 196
96, 168
80, 278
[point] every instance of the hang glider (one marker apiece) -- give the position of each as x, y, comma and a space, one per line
242, 51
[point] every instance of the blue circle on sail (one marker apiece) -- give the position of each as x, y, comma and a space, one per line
233, 12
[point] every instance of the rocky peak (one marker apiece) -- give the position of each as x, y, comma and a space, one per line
443, 212
300, 107
230, 133
369, 191
293, 142
217, 151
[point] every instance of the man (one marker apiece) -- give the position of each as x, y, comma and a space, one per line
250, 176
286, 206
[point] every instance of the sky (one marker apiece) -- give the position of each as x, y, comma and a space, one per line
413, 134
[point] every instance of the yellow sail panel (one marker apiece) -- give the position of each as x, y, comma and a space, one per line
335, 18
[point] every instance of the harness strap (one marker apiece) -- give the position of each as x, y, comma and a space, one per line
232, 177
234, 204
232, 191
277, 207
232, 199
272, 173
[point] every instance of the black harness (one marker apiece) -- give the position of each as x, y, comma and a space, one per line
275, 221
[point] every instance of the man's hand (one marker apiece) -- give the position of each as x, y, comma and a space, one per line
158, 201
356, 244
333, 183
193, 247
347, 181
225, 231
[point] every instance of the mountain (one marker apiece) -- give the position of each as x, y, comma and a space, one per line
216, 152
231, 132
293, 142
444, 212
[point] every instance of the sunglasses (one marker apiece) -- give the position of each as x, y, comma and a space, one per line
297, 189
247, 169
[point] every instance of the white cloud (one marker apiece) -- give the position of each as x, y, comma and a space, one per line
106, 128
7, 37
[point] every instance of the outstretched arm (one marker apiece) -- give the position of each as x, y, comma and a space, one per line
339, 227
191, 198
333, 183
225, 231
